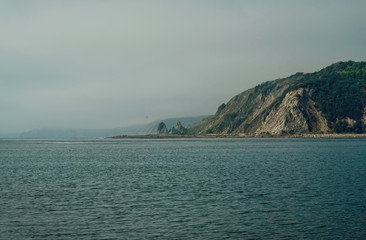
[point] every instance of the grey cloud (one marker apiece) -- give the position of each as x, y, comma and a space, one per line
110, 63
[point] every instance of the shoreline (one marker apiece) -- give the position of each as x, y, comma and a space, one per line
305, 135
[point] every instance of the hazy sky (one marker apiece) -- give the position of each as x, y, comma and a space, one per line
101, 64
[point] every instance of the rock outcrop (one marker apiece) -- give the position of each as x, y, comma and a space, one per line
178, 129
296, 114
162, 129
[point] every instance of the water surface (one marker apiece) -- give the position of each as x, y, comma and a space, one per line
183, 189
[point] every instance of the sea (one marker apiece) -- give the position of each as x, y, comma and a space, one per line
183, 189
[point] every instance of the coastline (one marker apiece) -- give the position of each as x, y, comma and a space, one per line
305, 135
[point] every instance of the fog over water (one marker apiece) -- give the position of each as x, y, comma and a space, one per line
104, 64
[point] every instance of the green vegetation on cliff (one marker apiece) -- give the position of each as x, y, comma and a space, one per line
340, 91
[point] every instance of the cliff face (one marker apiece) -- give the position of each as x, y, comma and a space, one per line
331, 100
297, 113
162, 128
177, 129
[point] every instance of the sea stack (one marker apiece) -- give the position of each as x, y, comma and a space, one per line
162, 128
178, 129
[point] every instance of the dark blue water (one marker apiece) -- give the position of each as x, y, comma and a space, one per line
183, 189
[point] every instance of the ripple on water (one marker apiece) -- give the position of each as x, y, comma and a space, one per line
183, 189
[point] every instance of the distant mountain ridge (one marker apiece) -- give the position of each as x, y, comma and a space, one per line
332, 100
149, 128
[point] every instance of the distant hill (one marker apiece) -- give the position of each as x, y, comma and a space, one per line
68, 133
332, 100
150, 128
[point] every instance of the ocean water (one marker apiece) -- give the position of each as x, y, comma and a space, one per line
183, 189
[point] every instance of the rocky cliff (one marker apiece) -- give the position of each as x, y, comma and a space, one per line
330, 100
177, 129
162, 129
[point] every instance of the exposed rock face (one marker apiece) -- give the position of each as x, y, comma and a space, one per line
162, 128
245, 112
296, 114
178, 129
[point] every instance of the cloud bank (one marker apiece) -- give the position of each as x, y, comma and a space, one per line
97, 64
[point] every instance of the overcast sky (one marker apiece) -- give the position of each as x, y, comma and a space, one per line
102, 64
